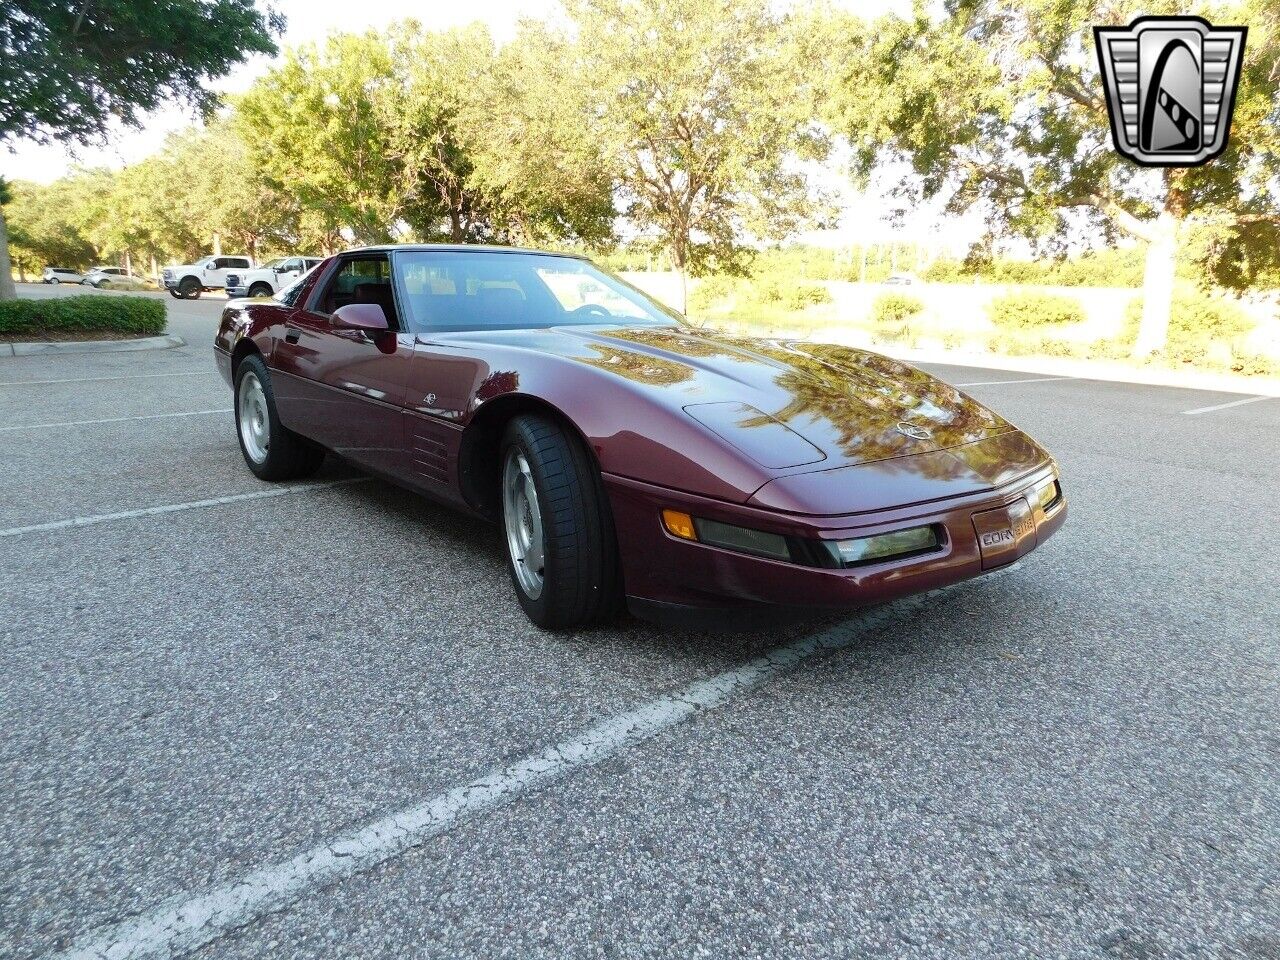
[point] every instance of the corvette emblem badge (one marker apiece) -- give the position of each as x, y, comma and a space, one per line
1171, 87
914, 432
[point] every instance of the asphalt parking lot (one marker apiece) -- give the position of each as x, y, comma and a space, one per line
1077, 758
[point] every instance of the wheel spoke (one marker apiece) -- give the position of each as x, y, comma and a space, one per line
522, 518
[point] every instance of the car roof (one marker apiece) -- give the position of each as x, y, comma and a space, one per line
459, 248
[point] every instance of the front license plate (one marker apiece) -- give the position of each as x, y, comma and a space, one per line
1005, 534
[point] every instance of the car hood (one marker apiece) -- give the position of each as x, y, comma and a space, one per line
789, 403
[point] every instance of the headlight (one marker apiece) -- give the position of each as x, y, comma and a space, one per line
811, 553
886, 546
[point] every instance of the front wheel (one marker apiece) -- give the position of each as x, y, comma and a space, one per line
561, 548
272, 451
260, 290
189, 288
55, 281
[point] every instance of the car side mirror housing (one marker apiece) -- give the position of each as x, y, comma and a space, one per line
361, 316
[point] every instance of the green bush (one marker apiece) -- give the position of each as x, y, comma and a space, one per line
894, 308
790, 294
139, 316
1033, 311
1031, 345
710, 291
1196, 320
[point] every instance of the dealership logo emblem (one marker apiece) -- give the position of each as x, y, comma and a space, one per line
1171, 87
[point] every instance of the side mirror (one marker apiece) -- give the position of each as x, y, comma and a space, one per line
361, 316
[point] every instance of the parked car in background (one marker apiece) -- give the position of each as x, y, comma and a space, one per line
189, 280
628, 457
901, 279
100, 276
56, 275
270, 277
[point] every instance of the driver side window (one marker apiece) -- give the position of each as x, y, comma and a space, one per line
361, 280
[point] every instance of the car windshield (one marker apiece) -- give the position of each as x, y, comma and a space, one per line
274, 263
448, 290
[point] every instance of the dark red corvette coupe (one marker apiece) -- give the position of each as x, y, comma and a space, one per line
629, 457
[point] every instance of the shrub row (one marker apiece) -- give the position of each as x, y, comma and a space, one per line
1032, 311
137, 316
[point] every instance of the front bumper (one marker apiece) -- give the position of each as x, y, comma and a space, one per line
660, 569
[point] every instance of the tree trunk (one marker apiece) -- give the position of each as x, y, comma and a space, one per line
7, 289
217, 244
128, 263
1157, 286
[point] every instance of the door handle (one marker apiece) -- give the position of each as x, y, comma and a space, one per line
293, 335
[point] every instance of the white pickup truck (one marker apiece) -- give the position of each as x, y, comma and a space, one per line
270, 278
188, 281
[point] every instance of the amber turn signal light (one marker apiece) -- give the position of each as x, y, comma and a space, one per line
679, 524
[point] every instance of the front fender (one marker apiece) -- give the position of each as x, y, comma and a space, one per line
632, 433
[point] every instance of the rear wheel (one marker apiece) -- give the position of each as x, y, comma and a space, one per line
561, 549
189, 288
272, 451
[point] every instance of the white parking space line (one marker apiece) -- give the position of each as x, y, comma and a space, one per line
177, 507
993, 383
83, 423
1224, 406
131, 376
184, 923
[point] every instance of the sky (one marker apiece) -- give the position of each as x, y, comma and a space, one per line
312, 20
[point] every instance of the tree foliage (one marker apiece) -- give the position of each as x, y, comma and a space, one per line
696, 102
69, 69
997, 105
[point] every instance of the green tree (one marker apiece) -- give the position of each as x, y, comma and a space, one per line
696, 104
68, 70
317, 128
437, 73
998, 105
542, 173
45, 226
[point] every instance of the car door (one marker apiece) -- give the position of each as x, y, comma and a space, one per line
288, 272
445, 377
344, 388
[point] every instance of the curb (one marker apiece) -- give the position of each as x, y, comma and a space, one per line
166, 342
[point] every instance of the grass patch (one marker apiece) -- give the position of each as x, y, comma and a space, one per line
88, 315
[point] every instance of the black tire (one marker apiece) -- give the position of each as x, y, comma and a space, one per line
173, 292
289, 456
55, 281
189, 287
261, 290
582, 581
